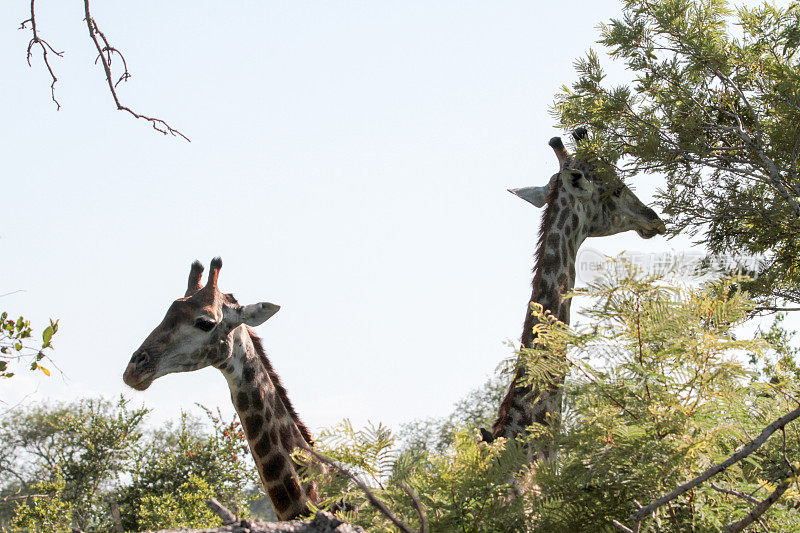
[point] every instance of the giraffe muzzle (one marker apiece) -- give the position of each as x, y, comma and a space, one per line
139, 374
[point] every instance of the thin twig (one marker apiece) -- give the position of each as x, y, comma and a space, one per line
732, 492
370, 496
104, 54
626, 529
45, 46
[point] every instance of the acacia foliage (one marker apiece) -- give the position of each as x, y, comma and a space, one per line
70, 465
664, 380
713, 102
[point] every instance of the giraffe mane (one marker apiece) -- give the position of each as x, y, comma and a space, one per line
544, 230
279, 388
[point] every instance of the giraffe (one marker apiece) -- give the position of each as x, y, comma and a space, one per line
583, 199
207, 327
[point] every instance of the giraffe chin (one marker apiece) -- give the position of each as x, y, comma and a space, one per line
140, 382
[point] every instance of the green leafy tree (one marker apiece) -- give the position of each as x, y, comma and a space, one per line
45, 511
173, 462
87, 445
714, 104
76, 462
184, 508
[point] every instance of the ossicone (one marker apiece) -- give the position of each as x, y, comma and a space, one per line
195, 274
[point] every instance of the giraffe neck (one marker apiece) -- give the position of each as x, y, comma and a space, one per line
562, 230
270, 423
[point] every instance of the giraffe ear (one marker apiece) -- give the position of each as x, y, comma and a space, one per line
252, 315
535, 195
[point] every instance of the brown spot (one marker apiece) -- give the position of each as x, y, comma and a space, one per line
242, 402
544, 288
548, 263
280, 500
293, 488
248, 373
258, 403
287, 435
280, 409
274, 438
262, 446
272, 467
252, 425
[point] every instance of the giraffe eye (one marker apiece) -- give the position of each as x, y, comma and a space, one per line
617, 193
204, 324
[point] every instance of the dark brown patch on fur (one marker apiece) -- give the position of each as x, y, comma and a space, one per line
258, 403
280, 500
287, 436
272, 467
262, 446
242, 402
248, 373
293, 488
280, 409
252, 425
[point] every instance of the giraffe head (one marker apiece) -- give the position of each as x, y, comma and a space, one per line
194, 331
597, 196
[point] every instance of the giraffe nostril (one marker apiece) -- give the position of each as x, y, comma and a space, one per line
140, 357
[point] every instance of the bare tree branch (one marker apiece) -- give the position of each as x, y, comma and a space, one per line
759, 509
221, 511
105, 53
45, 46
752, 446
423, 520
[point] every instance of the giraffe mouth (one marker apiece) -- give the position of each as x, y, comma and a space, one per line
136, 381
658, 228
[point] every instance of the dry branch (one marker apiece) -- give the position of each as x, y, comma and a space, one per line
221, 511
746, 450
45, 46
759, 509
104, 53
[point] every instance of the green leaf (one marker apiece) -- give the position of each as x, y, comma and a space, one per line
47, 334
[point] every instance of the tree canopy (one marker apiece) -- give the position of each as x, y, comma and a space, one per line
714, 104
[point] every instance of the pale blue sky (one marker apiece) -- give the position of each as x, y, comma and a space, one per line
349, 161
